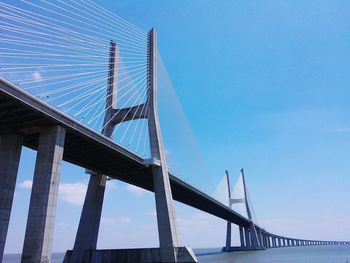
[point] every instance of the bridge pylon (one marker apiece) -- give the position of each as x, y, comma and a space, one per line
86, 240
90, 218
250, 237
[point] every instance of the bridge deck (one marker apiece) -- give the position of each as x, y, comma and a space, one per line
24, 114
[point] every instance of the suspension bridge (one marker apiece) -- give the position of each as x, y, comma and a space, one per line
75, 88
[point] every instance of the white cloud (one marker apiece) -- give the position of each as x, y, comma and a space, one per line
61, 224
27, 184
152, 213
124, 220
135, 190
111, 185
37, 76
73, 193
119, 220
194, 227
199, 219
107, 220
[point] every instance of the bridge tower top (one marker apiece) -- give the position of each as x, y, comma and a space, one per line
255, 241
242, 197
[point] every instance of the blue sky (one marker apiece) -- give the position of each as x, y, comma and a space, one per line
264, 86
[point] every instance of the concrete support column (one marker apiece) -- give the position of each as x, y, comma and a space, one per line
261, 239
228, 236
265, 240
42, 209
89, 223
254, 239
10, 152
247, 237
167, 230
241, 236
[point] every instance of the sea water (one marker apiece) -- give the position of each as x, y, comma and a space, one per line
312, 254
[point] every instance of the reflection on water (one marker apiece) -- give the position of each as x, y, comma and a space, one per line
316, 254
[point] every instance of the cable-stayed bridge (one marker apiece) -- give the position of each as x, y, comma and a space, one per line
79, 84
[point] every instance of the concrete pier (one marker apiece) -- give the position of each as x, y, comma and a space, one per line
167, 231
241, 236
10, 151
90, 218
247, 237
228, 236
89, 224
228, 227
42, 209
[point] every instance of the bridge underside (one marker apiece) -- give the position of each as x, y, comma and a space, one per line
25, 115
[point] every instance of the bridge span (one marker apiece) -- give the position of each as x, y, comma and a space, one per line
26, 116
